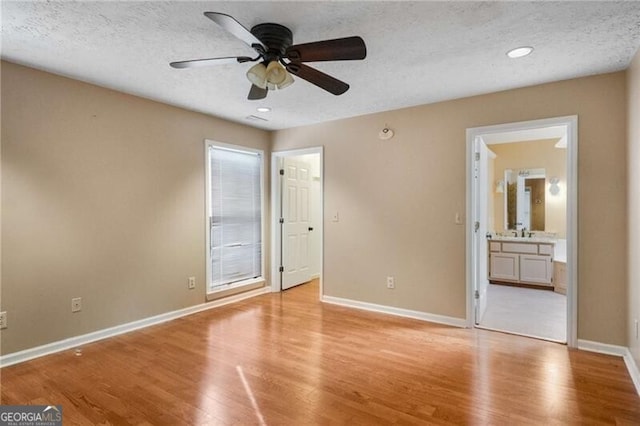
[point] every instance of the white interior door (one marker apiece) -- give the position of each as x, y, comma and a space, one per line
296, 209
481, 182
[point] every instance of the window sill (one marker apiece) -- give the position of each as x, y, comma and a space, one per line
236, 288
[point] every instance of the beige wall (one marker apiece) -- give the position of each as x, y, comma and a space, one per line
633, 179
397, 198
103, 198
534, 155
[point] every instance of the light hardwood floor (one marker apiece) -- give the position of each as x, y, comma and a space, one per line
287, 359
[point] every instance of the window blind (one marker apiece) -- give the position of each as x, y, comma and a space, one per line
235, 217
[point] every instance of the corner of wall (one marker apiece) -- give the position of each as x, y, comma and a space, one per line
633, 210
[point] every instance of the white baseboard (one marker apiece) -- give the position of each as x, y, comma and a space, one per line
621, 351
73, 342
601, 348
424, 316
633, 369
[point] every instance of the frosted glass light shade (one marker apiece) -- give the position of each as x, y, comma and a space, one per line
276, 74
257, 75
288, 81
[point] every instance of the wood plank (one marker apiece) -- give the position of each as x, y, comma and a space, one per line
289, 359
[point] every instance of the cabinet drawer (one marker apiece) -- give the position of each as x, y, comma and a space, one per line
494, 246
520, 248
546, 249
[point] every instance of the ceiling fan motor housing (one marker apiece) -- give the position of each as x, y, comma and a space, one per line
277, 38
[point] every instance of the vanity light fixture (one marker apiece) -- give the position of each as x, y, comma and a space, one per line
263, 109
520, 52
554, 188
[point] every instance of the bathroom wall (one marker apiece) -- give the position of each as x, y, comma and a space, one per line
491, 191
534, 155
397, 199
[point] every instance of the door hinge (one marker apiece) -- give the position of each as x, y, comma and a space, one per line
477, 156
477, 294
281, 172
281, 269
476, 226
281, 220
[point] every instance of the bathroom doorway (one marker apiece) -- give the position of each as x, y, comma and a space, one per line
522, 229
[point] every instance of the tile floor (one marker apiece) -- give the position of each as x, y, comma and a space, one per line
530, 312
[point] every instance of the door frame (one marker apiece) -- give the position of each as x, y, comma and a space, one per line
276, 238
571, 122
480, 208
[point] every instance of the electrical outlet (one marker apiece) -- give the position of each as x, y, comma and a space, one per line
3, 319
391, 282
335, 217
76, 304
192, 283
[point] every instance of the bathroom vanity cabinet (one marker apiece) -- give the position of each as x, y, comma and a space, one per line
521, 262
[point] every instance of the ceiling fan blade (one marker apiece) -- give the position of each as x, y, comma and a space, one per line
340, 49
230, 24
197, 63
320, 79
257, 93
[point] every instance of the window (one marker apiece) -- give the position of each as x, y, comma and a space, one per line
234, 204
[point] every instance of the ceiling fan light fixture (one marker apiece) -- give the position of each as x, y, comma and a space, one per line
276, 74
520, 52
257, 75
288, 81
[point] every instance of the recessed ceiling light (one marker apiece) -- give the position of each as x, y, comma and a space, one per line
519, 52
263, 109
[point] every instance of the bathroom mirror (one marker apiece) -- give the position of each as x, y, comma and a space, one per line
524, 197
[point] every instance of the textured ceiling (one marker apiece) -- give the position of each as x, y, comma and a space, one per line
418, 52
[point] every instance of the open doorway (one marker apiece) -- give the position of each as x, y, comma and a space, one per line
297, 218
522, 228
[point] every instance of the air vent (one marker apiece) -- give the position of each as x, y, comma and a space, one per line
255, 118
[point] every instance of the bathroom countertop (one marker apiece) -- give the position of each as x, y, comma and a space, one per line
524, 239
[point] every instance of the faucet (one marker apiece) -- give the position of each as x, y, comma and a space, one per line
515, 233
523, 229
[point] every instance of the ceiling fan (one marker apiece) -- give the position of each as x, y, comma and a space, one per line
279, 57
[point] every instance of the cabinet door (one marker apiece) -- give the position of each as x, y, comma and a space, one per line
504, 266
535, 269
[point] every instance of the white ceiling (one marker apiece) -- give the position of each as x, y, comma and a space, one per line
418, 52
